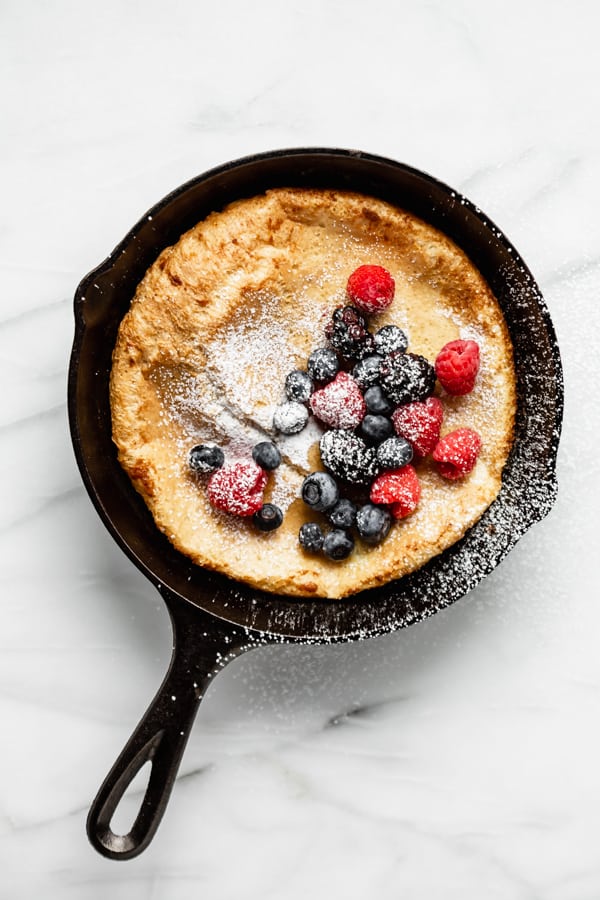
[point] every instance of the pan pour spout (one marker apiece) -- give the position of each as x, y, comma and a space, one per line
201, 648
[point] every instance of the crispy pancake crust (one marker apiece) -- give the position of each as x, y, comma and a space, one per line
219, 320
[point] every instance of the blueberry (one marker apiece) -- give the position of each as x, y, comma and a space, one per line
347, 456
373, 523
311, 536
206, 458
338, 544
366, 371
298, 386
320, 491
323, 364
376, 429
290, 418
406, 377
377, 402
394, 453
266, 455
268, 517
389, 339
343, 514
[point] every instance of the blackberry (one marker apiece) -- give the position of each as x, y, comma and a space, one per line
373, 523
320, 491
298, 386
343, 514
323, 364
311, 536
290, 418
406, 377
347, 456
338, 544
348, 333
266, 455
377, 402
366, 371
390, 339
268, 517
206, 458
376, 429
394, 453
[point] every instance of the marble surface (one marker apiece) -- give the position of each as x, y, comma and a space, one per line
457, 759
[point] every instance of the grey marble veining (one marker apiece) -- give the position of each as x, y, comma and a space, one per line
457, 759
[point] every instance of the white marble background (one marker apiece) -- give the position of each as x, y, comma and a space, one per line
471, 769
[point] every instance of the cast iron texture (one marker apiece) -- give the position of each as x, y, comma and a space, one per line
215, 618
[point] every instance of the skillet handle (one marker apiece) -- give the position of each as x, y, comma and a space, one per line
202, 646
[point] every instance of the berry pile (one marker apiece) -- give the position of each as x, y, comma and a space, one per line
375, 399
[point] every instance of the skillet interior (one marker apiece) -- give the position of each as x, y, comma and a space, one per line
529, 485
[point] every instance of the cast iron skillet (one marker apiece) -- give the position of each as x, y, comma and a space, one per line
214, 618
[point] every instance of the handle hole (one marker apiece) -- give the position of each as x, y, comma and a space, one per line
128, 807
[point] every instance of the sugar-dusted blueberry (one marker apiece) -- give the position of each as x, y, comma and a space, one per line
320, 491
343, 514
394, 453
366, 371
311, 536
290, 417
298, 386
323, 364
268, 517
377, 402
338, 544
376, 429
373, 523
266, 455
389, 339
206, 458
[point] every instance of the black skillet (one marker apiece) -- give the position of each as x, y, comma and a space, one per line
214, 619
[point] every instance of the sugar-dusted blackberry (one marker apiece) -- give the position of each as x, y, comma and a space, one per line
348, 457
338, 544
206, 458
348, 333
406, 377
377, 402
268, 517
323, 364
366, 371
320, 491
298, 386
290, 417
394, 453
343, 514
266, 455
390, 339
373, 523
311, 536
376, 429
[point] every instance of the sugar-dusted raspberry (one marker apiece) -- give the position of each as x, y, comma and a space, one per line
340, 404
457, 365
457, 452
400, 489
371, 288
419, 423
237, 488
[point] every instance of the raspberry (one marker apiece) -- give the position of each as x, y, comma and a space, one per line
237, 488
371, 288
340, 404
419, 423
456, 366
457, 453
400, 489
